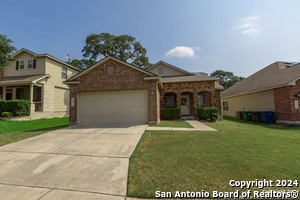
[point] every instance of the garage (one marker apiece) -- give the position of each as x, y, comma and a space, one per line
122, 107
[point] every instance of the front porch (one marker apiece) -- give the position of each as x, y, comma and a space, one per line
31, 92
189, 96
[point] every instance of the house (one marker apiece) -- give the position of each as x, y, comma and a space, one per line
38, 78
274, 88
113, 91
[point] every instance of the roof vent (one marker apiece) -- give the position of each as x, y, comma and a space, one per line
290, 64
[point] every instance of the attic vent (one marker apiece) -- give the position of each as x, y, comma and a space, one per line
110, 70
160, 70
290, 64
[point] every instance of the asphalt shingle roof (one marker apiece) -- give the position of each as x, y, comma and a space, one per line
275, 75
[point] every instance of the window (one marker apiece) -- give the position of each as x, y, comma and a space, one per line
22, 64
225, 105
64, 72
200, 101
30, 64
170, 100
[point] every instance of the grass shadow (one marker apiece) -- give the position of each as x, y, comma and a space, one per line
47, 128
270, 126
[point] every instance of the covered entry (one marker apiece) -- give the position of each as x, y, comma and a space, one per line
122, 107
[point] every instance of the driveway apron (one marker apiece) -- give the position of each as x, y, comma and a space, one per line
79, 162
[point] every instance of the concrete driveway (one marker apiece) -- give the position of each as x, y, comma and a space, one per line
80, 162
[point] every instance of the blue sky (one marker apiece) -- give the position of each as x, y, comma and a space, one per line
198, 36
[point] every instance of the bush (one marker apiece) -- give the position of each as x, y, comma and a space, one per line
210, 113
171, 113
7, 114
17, 107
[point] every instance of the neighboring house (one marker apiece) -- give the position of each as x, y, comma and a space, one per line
38, 78
274, 88
113, 91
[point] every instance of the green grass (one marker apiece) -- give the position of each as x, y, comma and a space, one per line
196, 161
173, 123
11, 131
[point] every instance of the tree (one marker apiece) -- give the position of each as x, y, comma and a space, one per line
123, 47
226, 79
82, 64
6, 50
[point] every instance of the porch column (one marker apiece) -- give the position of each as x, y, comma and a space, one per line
178, 99
4, 93
14, 93
32, 107
195, 101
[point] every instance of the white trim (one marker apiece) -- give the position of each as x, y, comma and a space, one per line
46, 76
19, 67
31, 64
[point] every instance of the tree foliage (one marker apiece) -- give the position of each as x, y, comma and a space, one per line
6, 50
123, 47
82, 64
226, 79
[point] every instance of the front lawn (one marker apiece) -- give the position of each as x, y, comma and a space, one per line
195, 161
173, 123
13, 131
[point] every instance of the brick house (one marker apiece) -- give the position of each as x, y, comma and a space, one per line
113, 91
274, 88
39, 79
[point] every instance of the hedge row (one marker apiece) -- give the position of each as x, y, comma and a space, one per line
171, 113
14, 108
208, 113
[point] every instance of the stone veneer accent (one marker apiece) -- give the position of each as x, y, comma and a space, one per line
207, 87
123, 78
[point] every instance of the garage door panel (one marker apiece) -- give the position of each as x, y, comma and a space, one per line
113, 107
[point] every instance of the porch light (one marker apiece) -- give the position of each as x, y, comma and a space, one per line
152, 92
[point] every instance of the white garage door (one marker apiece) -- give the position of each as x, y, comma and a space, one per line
130, 107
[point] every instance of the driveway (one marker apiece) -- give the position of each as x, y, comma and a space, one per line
80, 162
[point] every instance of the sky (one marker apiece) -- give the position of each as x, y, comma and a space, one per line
196, 35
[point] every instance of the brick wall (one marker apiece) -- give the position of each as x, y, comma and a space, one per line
124, 78
284, 99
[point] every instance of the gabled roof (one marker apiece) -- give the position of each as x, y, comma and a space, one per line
276, 75
74, 78
172, 66
43, 55
12, 80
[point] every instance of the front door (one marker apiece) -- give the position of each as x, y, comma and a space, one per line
185, 104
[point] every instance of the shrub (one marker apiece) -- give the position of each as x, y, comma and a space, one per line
210, 113
171, 113
7, 114
17, 107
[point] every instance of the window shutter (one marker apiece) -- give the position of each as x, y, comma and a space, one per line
34, 64
17, 65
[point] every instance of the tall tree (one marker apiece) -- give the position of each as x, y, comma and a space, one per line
226, 79
6, 50
82, 64
123, 47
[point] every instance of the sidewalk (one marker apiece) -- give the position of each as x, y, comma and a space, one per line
198, 126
